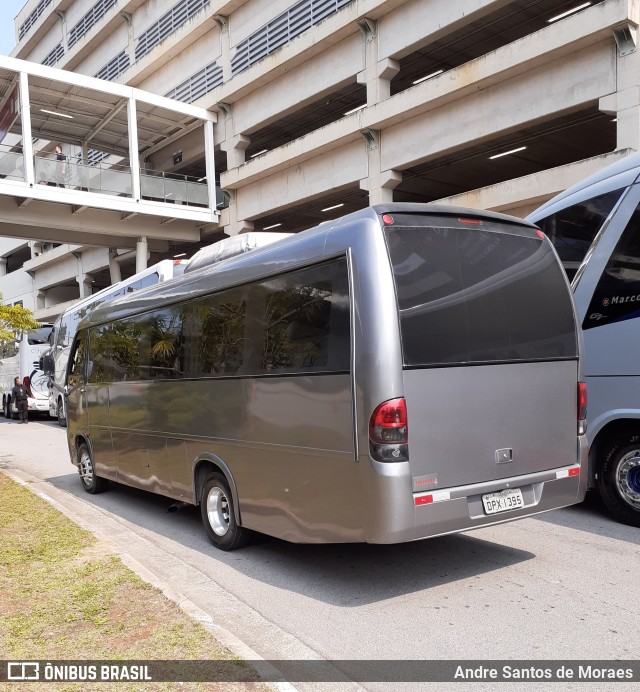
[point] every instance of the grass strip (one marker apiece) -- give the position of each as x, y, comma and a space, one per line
65, 596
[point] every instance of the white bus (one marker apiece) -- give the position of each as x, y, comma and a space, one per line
595, 227
22, 359
65, 327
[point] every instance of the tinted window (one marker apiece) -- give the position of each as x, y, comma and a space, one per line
101, 369
306, 320
572, 230
296, 323
214, 334
470, 295
617, 295
76, 368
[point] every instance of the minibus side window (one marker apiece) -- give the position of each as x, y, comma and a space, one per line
617, 294
572, 230
76, 371
295, 323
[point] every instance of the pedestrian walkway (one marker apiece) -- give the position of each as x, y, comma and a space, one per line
121, 157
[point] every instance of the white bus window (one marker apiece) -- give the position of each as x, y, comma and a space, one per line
572, 230
617, 295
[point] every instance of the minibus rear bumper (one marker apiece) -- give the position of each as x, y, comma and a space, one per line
451, 510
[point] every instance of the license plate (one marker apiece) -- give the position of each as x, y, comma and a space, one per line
503, 501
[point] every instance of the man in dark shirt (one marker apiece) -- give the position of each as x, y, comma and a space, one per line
20, 395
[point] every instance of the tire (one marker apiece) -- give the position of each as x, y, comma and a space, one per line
90, 482
4, 408
218, 518
618, 479
62, 421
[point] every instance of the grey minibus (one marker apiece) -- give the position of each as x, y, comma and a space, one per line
595, 227
402, 372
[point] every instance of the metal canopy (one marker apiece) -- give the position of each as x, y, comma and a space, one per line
96, 118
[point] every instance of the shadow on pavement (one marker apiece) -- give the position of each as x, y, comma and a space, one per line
592, 517
345, 575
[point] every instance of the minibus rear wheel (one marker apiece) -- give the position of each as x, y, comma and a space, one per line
218, 518
618, 480
90, 482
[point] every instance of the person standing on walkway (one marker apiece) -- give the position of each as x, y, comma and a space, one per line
61, 166
20, 395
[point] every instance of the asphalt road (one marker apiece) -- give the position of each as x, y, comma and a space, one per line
563, 585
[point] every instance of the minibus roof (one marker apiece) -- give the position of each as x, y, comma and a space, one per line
287, 254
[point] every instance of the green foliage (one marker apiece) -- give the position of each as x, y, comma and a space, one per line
14, 319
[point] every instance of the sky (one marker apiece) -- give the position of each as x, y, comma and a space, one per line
8, 10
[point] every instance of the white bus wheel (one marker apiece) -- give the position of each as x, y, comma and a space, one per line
619, 481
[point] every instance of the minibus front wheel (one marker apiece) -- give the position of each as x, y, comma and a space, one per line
618, 480
218, 517
90, 482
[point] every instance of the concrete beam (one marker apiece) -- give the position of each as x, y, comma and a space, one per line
579, 80
555, 44
532, 190
315, 177
57, 223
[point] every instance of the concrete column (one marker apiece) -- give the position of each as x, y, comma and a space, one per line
3, 266
141, 254
379, 184
41, 301
377, 74
131, 40
36, 249
236, 226
235, 147
114, 267
225, 45
624, 104
85, 284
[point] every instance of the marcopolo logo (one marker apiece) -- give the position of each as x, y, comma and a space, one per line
23, 670
619, 300
605, 302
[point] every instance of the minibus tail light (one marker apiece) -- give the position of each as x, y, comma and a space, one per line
388, 431
582, 408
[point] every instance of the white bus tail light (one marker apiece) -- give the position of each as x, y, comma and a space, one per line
388, 431
582, 408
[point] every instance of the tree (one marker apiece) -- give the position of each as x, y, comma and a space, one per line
14, 319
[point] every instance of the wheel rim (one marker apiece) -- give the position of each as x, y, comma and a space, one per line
60, 412
628, 478
86, 468
218, 511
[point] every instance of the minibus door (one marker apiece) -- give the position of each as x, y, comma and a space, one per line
75, 389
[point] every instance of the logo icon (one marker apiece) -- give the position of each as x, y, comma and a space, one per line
605, 302
23, 670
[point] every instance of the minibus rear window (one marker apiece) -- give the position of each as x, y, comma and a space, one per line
478, 293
